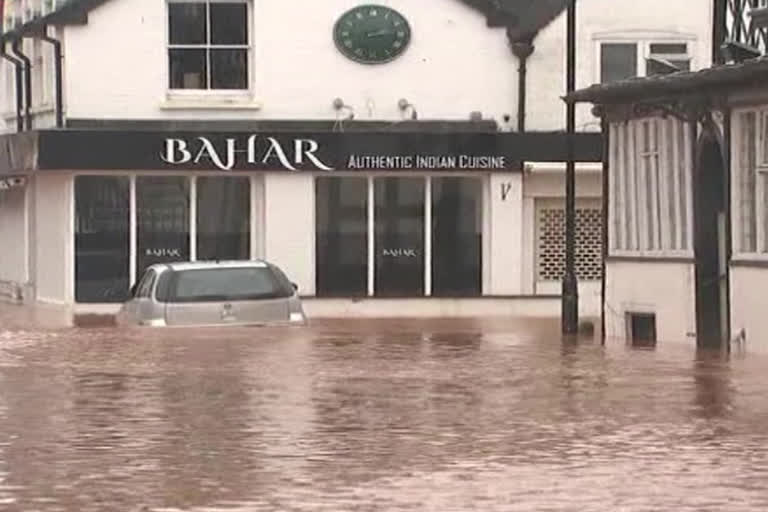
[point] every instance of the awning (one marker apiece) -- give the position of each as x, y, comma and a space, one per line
208, 149
716, 79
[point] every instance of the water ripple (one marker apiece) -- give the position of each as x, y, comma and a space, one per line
369, 416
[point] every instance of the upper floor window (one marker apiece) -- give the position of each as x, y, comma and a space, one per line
750, 189
626, 59
208, 44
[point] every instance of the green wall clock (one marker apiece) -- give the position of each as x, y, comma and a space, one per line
372, 34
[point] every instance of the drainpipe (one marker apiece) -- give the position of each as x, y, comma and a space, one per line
57, 66
19, 101
522, 50
27, 81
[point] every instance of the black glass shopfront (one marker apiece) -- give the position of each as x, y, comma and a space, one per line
103, 218
399, 236
102, 231
399, 233
223, 218
456, 236
341, 236
162, 218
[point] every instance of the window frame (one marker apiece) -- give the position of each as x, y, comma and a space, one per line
256, 223
629, 216
246, 93
761, 184
643, 41
427, 287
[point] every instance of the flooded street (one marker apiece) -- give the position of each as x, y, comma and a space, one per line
364, 416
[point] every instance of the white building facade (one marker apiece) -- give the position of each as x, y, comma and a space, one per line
687, 190
430, 176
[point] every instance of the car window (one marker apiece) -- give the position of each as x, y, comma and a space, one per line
144, 289
230, 284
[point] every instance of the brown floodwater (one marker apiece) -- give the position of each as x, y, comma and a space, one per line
362, 416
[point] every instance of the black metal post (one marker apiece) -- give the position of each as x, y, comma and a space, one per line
570, 297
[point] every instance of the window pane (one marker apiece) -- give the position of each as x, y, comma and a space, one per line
247, 283
186, 23
223, 219
681, 64
101, 239
229, 23
764, 227
229, 69
617, 61
399, 221
668, 48
188, 69
342, 236
456, 236
747, 169
162, 219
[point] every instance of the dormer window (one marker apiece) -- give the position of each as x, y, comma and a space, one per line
208, 45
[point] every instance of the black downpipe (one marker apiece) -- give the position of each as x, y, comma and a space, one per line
15, 46
720, 29
57, 66
19, 69
522, 50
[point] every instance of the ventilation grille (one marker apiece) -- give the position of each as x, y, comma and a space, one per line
551, 243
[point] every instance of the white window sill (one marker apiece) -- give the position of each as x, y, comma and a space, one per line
203, 101
744, 257
651, 255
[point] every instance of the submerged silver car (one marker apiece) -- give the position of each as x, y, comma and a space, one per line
213, 294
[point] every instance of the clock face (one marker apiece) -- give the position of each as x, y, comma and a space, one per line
372, 34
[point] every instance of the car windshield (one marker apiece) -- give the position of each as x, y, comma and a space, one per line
230, 284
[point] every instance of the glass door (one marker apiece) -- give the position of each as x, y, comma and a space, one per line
399, 236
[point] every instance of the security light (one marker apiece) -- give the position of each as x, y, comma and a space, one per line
404, 105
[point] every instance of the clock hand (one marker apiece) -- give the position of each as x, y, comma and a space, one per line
378, 33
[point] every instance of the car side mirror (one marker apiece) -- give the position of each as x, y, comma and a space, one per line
295, 286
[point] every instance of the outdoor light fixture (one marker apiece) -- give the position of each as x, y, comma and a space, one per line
404, 105
9, 183
738, 52
339, 105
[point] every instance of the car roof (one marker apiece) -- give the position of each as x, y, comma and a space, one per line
200, 265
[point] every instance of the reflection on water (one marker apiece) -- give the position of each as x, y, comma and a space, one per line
445, 416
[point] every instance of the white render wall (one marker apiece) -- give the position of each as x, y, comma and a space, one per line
289, 226
610, 21
54, 235
455, 65
748, 306
13, 236
116, 65
666, 289
504, 269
